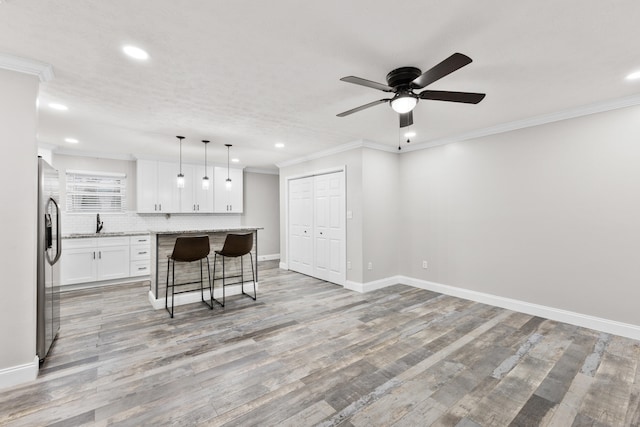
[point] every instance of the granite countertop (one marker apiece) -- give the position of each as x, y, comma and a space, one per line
210, 230
104, 234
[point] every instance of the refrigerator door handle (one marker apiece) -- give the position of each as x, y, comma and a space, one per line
58, 235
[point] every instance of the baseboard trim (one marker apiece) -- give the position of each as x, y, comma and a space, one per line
193, 297
579, 319
270, 257
16, 375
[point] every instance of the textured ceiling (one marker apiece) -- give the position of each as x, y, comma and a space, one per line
253, 73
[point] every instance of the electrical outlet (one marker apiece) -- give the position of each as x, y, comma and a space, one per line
424, 264
370, 266
348, 265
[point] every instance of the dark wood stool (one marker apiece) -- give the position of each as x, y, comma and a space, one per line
235, 245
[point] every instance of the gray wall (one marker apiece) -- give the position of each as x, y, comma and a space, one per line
262, 209
548, 215
18, 174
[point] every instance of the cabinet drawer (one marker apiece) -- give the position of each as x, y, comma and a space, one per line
140, 252
139, 240
139, 268
78, 243
112, 241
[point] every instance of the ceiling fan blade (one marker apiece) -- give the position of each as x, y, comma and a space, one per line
406, 119
362, 107
448, 66
443, 95
367, 83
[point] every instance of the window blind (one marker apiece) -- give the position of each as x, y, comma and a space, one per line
96, 191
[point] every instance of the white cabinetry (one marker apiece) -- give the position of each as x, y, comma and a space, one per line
94, 259
140, 255
156, 188
193, 198
227, 200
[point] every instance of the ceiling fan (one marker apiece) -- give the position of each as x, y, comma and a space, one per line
403, 81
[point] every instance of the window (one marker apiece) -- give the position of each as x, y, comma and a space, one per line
96, 191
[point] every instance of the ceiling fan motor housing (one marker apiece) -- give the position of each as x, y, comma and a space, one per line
402, 77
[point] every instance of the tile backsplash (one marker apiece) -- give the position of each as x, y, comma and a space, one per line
131, 221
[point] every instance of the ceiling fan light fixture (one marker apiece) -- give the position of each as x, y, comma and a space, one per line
403, 103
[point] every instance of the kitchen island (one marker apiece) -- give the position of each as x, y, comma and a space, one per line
162, 243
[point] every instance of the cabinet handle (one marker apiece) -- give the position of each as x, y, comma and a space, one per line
94, 254
160, 208
321, 233
198, 207
155, 207
142, 253
99, 254
142, 240
142, 268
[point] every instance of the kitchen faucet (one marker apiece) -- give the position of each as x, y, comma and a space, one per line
98, 224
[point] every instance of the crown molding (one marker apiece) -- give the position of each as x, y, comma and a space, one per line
80, 153
571, 113
43, 70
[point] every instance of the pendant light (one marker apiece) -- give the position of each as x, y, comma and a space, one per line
180, 180
205, 178
228, 180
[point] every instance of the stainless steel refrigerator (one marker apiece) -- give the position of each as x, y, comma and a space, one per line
49, 251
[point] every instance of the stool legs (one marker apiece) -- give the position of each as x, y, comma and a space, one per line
224, 279
171, 265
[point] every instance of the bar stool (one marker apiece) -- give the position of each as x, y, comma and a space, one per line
235, 245
187, 249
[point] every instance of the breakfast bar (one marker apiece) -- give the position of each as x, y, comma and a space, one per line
162, 243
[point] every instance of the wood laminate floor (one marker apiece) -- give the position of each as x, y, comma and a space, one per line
311, 353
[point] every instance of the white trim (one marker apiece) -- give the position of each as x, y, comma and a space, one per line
269, 257
194, 297
283, 266
80, 153
20, 374
570, 113
19, 64
583, 320
372, 286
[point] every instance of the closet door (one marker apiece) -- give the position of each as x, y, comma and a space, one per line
301, 225
329, 227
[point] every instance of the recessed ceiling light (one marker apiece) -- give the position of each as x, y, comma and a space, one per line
59, 107
279, 145
634, 76
234, 160
135, 52
410, 134
71, 140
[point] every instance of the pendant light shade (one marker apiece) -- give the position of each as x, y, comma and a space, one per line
180, 180
228, 180
205, 178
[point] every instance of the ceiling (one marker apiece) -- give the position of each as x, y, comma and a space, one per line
253, 73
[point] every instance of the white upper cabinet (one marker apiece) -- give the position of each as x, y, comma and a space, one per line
156, 190
228, 200
193, 198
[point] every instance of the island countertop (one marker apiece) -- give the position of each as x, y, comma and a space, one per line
205, 231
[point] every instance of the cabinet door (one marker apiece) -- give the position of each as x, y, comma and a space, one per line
186, 194
147, 186
78, 266
167, 187
228, 199
203, 198
113, 262
236, 194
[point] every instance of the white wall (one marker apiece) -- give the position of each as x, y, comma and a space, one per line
548, 215
262, 209
18, 174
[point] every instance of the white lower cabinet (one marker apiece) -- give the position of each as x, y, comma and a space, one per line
95, 259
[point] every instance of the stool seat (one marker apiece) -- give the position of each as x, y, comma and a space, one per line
188, 249
235, 245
